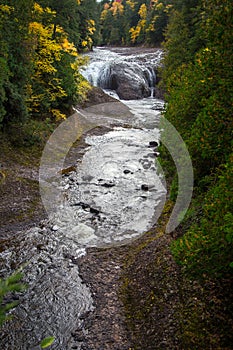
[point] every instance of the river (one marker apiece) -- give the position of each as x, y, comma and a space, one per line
111, 194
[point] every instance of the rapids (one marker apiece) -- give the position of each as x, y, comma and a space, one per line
115, 193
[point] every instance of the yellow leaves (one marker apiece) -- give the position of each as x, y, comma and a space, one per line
131, 4
38, 8
6, 9
34, 26
159, 6
47, 86
44, 67
143, 11
69, 47
134, 33
117, 7
91, 26
84, 43
104, 13
39, 12
151, 28
51, 50
142, 23
90, 29
168, 8
83, 87
92, 22
48, 50
57, 115
187, 243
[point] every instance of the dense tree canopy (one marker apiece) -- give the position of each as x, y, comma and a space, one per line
38, 56
198, 77
133, 22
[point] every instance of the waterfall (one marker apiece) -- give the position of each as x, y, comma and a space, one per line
151, 79
130, 76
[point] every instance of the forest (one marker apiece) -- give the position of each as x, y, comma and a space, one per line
41, 46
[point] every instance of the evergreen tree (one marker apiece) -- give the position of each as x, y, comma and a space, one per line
18, 52
198, 77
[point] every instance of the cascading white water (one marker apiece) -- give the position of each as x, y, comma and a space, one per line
120, 70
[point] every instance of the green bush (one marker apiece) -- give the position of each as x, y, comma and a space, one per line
206, 248
9, 285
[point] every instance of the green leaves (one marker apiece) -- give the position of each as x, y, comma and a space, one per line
8, 285
198, 78
47, 342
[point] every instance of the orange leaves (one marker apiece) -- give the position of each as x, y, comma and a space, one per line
117, 7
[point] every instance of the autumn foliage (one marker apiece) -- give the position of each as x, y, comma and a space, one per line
39, 58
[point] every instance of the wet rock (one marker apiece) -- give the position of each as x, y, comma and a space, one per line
153, 144
152, 155
145, 187
97, 96
108, 184
158, 106
40, 247
87, 178
94, 211
126, 171
84, 206
68, 170
128, 81
146, 165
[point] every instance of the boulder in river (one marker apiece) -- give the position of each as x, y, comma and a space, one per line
128, 80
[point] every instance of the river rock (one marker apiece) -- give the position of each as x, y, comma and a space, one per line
145, 187
96, 96
128, 80
158, 105
153, 144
